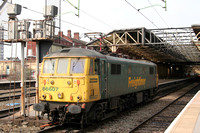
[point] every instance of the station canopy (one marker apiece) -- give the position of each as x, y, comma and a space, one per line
178, 45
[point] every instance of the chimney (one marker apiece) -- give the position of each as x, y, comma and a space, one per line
76, 35
60, 33
69, 33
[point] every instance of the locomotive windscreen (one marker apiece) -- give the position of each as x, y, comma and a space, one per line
49, 66
77, 65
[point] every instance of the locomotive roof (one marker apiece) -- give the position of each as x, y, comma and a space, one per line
111, 58
78, 52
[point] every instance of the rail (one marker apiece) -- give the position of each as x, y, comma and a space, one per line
16, 84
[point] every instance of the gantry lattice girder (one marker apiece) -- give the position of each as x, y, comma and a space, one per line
158, 45
183, 40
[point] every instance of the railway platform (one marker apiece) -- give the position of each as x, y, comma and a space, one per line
160, 81
188, 120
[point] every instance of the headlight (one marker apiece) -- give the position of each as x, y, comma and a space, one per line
60, 95
69, 83
44, 96
52, 82
79, 97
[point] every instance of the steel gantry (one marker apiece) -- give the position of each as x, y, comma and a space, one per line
157, 45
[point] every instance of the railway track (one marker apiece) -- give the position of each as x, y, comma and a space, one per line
6, 98
167, 90
51, 128
16, 91
15, 84
61, 129
6, 95
10, 111
160, 120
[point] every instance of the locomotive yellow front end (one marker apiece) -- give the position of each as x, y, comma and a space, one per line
68, 80
66, 86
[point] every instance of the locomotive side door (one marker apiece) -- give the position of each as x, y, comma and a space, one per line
103, 77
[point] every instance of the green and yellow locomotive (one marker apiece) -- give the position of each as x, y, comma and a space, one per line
80, 85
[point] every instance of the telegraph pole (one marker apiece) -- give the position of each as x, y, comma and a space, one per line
22, 80
37, 72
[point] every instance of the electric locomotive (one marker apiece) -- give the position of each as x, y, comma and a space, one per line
84, 86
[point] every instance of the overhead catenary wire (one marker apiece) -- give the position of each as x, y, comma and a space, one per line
142, 14
97, 19
62, 20
31, 10
162, 19
92, 16
159, 15
76, 25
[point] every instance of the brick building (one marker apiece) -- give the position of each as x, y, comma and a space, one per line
10, 68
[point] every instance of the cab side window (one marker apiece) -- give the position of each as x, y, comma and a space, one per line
103, 71
97, 66
91, 71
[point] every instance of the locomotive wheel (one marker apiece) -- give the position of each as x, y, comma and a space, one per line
98, 115
120, 107
54, 117
82, 122
146, 96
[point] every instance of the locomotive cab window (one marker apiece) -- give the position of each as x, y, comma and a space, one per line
115, 69
91, 70
77, 65
103, 65
97, 66
49, 66
62, 65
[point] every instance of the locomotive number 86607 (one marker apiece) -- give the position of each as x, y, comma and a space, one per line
84, 86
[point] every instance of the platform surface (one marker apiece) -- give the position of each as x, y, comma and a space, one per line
188, 121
